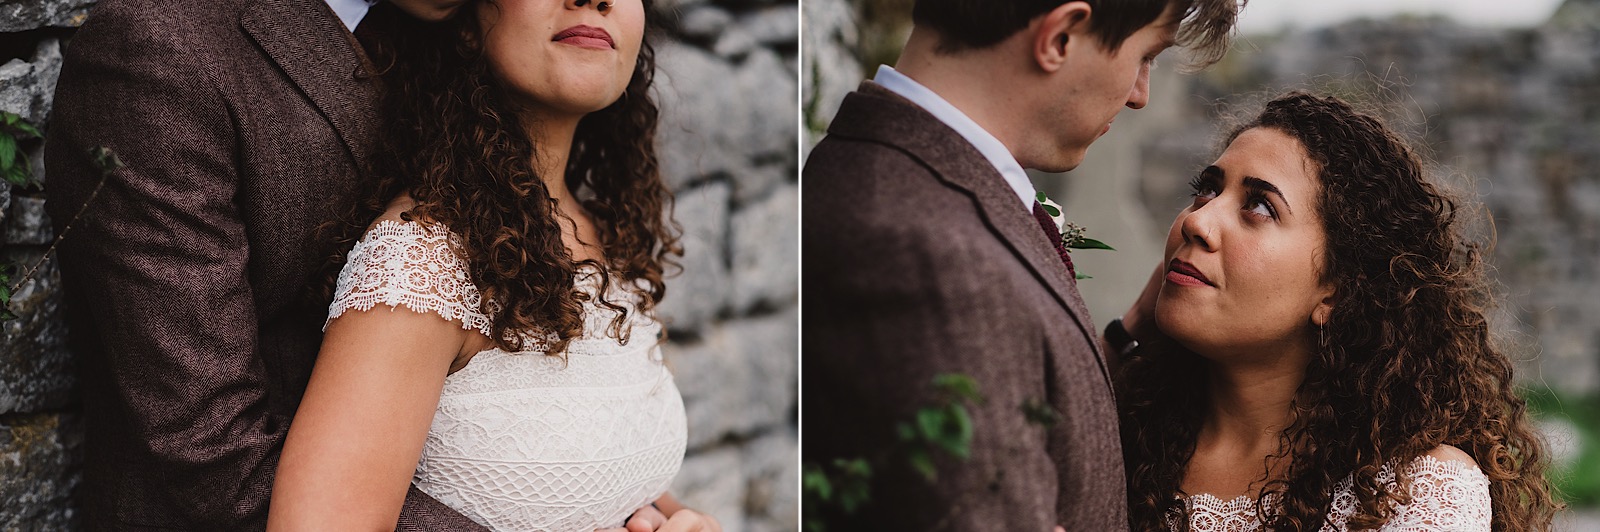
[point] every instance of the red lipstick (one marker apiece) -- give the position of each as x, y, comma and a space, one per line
1185, 274
585, 37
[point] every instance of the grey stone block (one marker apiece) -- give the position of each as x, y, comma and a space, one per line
734, 43
28, 223
5, 203
712, 482
752, 184
739, 379
25, 15
772, 493
766, 251
26, 88
717, 119
35, 366
700, 292
38, 471
829, 69
774, 25
704, 21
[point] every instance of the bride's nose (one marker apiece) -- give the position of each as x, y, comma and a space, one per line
1200, 228
603, 6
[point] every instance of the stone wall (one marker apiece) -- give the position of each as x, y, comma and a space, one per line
728, 92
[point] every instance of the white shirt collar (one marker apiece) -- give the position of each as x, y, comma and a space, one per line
351, 11
986, 143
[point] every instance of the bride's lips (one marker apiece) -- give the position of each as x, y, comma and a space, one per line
1185, 274
585, 37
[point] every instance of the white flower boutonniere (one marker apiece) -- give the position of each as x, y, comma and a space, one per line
1072, 235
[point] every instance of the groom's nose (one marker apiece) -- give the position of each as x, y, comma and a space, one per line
1140, 94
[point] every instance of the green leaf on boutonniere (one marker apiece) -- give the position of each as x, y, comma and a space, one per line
1082, 277
1088, 243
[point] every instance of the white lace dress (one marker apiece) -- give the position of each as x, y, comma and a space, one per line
1446, 496
525, 441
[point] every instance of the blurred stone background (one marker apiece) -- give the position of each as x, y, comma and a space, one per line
727, 139
1510, 117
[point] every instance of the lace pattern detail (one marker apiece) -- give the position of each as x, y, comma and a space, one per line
409, 264
1445, 495
522, 440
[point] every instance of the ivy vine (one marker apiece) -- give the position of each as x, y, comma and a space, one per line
943, 428
17, 171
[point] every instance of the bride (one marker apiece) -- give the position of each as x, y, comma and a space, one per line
492, 337
1326, 363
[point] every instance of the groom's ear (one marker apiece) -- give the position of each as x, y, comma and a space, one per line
1062, 29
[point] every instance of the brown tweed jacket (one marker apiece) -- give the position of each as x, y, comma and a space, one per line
243, 124
919, 260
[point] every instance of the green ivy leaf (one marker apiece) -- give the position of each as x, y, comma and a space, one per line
105, 159
816, 482
1089, 243
8, 151
923, 464
930, 422
1039, 413
27, 130
958, 440
17, 175
958, 385
6, 315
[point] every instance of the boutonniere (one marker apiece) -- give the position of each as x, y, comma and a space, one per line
1072, 235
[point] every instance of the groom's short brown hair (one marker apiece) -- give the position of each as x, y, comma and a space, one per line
1204, 25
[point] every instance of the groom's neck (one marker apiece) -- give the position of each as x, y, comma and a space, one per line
984, 84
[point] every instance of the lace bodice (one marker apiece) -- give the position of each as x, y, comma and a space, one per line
1446, 495
526, 441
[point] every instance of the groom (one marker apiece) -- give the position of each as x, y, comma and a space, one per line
926, 254
243, 124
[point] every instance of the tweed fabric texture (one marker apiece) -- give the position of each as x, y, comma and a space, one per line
918, 263
243, 125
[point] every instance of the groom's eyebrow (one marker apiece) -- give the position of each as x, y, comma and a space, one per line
1266, 186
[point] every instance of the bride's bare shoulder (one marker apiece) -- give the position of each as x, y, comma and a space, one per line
396, 211
1449, 453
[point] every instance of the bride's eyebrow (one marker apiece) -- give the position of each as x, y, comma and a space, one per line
1256, 183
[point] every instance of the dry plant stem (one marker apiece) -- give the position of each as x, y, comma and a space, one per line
60, 237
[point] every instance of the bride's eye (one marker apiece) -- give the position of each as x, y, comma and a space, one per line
1203, 189
1257, 204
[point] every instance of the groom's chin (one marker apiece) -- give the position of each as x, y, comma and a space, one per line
1056, 166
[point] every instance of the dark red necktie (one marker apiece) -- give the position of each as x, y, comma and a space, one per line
1054, 234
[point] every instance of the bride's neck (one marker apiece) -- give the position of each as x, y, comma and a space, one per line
552, 143
1250, 404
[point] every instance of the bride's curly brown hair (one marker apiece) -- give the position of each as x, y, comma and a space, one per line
452, 139
1404, 364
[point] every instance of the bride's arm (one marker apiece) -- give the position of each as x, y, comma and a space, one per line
354, 443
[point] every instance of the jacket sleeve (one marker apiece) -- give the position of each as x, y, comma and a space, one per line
158, 266
890, 305
162, 256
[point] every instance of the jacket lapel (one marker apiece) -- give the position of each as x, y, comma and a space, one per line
314, 49
885, 117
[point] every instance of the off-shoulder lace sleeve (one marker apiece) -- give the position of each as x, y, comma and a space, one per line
1445, 495
406, 263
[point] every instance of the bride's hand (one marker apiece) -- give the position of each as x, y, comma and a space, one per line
647, 519
1140, 320
687, 520
652, 518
